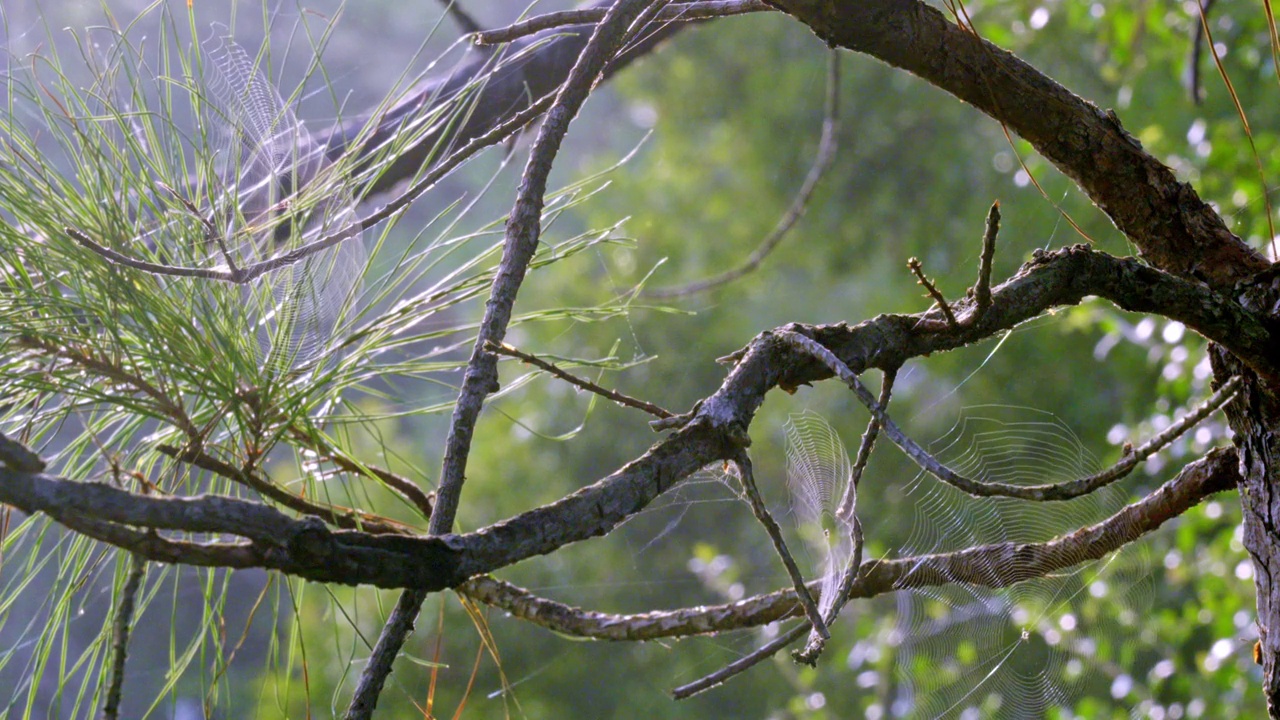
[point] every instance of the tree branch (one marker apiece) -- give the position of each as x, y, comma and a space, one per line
120, 626
747, 476
1215, 472
681, 11
306, 549
545, 62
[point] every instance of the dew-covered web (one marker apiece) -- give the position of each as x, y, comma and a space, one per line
967, 651
280, 192
818, 476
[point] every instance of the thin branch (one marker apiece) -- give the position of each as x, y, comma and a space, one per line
1193, 62
741, 665
684, 11
252, 272
982, 290
211, 233
1038, 493
621, 399
519, 245
335, 515
120, 636
170, 408
868, 443
405, 487
154, 268
576, 622
808, 655
827, 147
761, 511
847, 510
462, 17
914, 264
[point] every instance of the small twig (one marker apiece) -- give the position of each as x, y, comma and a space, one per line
120, 626
154, 268
847, 510
914, 264
747, 477
982, 290
171, 408
742, 664
462, 17
827, 147
336, 515
210, 231
621, 399
808, 655
685, 11
407, 489
1038, 493
1197, 47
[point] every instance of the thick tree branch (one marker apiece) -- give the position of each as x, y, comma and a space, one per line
1170, 224
305, 548
715, 432
343, 517
997, 565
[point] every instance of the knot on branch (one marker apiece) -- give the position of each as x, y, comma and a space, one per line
311, 542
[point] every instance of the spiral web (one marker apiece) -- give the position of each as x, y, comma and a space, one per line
1026, 651
281, 193
818, 474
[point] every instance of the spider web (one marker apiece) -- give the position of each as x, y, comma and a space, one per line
818, 475
282, 193
967, 651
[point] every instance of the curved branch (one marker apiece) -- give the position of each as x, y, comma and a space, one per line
1050, 492
1215, 472
682, 11
546, 60
827, 145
